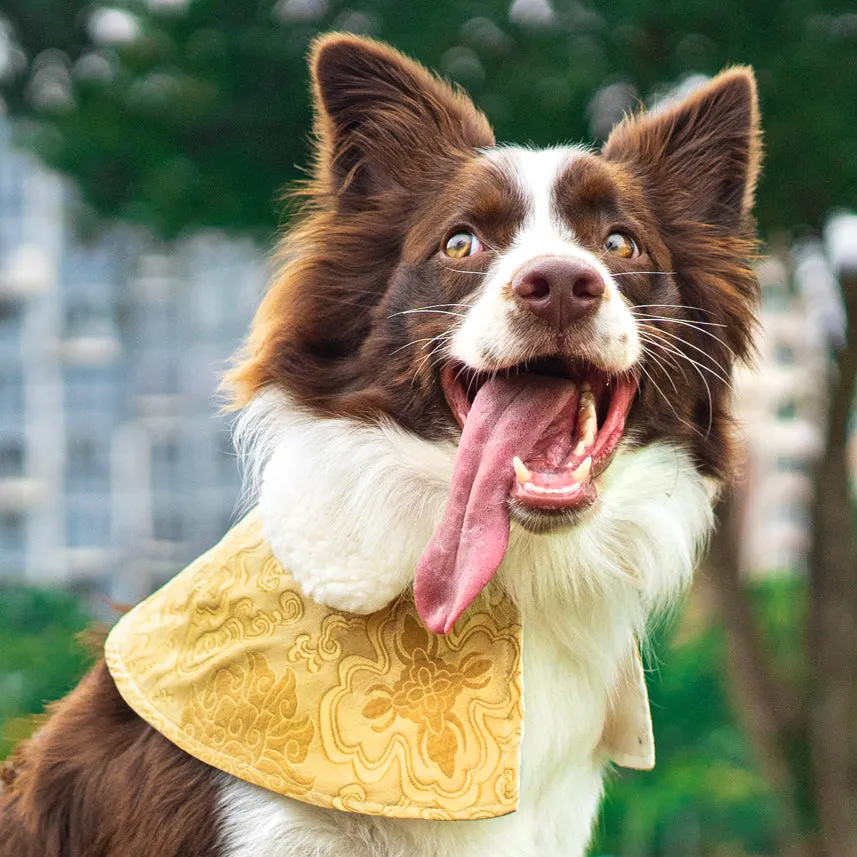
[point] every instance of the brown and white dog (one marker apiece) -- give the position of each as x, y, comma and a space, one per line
481, 362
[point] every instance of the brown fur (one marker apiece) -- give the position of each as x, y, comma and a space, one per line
97, 781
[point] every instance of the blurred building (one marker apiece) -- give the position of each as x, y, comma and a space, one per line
781, 404
783, 401
115, 467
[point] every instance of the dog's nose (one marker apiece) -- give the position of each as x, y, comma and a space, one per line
560, 291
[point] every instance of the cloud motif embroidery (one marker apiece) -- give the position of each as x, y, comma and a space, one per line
250, 715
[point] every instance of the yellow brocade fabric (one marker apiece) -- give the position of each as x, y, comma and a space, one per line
370, 714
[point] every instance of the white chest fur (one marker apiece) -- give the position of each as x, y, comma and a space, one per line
350, 509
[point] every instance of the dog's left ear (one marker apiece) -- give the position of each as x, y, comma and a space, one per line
384, 121
698, 159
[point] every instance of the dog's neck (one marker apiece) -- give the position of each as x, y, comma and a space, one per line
349, 509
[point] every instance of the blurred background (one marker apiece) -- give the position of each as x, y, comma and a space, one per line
144, 148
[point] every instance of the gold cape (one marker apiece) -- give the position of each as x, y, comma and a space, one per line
370, 714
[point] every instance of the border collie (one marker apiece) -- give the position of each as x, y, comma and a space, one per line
483, 362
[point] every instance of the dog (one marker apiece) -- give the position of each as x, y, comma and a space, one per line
481, 367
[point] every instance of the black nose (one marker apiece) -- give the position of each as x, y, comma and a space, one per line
559, 291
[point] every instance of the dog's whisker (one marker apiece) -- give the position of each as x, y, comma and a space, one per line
699, 368
428, 308
657, 361
666, 349
667, 336
724, 377
428, 311
440, 344
705, 332
680, 320
632, 273
665, 354
426, 339
669, 403
457, 271
671, 306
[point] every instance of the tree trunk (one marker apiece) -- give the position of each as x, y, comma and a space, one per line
833, 616
766, 710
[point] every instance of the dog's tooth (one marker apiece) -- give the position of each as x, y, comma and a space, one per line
588, 424
588, 415
580, 448
585, 387
521, 471
581, 472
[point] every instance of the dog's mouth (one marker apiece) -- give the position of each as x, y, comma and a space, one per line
556, 471
534, 438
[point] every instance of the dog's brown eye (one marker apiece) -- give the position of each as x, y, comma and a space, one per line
462, 244
621, 245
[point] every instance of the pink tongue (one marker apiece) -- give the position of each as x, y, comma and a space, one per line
509, 417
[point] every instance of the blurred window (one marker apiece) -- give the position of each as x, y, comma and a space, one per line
87, 467
11, 228
160, 373
168, 526
12, 181
11, 392
11, 459
89, 267
159, 320
10, 322
166, 458
82, 318
89, 390
12, 538
87, 522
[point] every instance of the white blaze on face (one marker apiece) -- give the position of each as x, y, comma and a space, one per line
488, 338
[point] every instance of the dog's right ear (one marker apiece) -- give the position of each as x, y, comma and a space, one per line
383, 121
699, 157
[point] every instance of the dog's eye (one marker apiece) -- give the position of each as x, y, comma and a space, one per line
462, 244
621, 245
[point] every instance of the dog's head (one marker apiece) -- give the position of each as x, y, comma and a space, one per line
542, 308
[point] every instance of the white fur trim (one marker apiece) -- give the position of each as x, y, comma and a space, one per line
348, 509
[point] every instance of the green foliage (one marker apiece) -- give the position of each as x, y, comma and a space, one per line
201, 119
705, 797
40, 658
